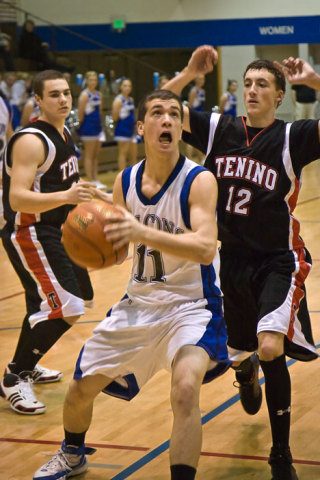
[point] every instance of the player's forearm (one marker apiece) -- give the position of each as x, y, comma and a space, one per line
314, 81
177, 83
33, 202
192, 246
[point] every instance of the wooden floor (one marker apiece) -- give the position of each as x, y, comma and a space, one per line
132, 438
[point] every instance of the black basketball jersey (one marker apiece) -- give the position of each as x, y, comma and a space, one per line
258, 179
58, 172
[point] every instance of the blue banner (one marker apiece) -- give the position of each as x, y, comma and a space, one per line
186, 34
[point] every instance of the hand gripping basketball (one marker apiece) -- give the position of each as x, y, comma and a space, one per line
83, 237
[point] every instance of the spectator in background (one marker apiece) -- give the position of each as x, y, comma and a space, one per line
5, 51
31, 47
14, 88
90, 130
304, 100
163, 80
5, 134
228, 100
123, 115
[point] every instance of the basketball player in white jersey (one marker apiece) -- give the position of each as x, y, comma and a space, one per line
171, 315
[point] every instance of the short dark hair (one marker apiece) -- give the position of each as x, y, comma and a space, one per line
161, 95
268, 65
41, 77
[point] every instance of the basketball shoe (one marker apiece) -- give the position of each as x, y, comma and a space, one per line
40, 374
280, 460
247, 380
18, 391
69, 461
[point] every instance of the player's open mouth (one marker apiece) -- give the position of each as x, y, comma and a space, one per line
165, 137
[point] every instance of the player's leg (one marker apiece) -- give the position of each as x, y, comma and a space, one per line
280, 296
278, 398
240, 313
53, 302
189, 367
71, 460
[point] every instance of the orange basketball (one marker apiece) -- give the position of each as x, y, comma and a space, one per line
83, 237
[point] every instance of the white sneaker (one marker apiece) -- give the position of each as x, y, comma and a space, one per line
67, 462
45, 375
40, 374
99, 185
19, 393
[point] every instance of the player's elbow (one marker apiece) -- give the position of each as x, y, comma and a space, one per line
15, 202
207, 253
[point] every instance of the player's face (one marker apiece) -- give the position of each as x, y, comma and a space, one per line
162, 125
260, 94
56, 100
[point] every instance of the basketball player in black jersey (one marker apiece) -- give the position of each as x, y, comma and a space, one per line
257, 161
40, 186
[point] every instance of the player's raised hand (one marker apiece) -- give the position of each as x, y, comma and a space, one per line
296, 70
202, 60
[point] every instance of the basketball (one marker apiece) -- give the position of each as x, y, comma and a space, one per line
83, 237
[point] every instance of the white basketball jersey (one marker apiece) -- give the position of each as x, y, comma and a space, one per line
157, 277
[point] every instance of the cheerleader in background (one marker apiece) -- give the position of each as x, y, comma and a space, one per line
123, 114
90, 130
228, 100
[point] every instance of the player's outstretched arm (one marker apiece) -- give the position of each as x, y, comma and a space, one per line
298, 71
197, 245
201, 62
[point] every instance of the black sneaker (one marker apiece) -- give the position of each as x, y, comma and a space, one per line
250, 390
280, 460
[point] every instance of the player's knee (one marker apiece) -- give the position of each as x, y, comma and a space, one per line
77, 394
270, 346
184, 396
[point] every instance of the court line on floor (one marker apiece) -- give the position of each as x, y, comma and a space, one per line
53, 442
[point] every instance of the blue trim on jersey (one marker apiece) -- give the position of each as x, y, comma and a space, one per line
77, 375
126, 181
173, 175
210, 289
120, 391
214, 339
185, 191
